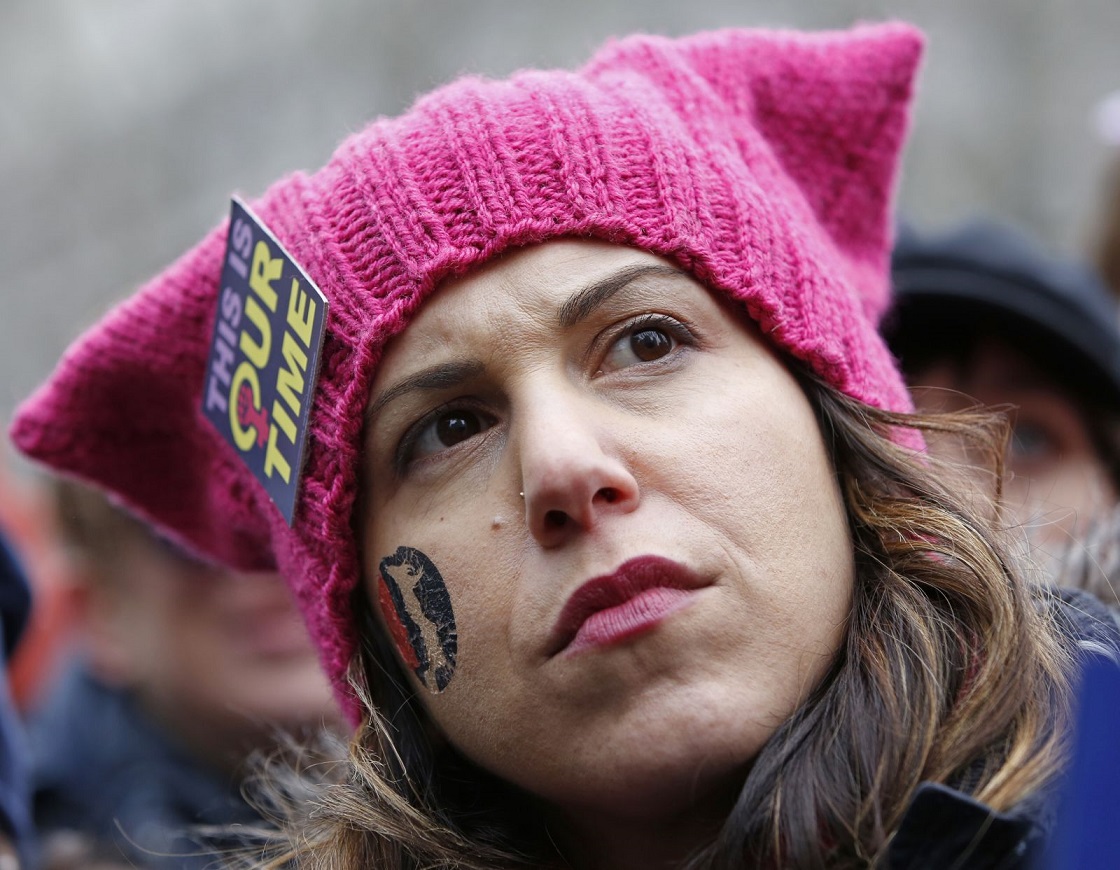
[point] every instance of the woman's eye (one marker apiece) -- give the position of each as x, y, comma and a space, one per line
444, 430
644, 343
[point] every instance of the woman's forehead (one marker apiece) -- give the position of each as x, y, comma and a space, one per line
548, 282
546, 273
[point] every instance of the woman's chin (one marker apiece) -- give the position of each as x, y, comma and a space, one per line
661, 794
660, 768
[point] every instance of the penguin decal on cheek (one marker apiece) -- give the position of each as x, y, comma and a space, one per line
417, 610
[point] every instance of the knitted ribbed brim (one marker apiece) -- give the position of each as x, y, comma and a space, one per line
761, 162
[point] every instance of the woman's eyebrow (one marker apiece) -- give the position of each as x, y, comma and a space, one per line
583, 302
576, 308
437, 377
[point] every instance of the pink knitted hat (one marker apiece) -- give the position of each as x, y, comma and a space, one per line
761, 162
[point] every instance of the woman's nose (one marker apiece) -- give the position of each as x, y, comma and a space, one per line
572, 475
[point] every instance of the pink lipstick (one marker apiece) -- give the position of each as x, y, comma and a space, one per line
607, 610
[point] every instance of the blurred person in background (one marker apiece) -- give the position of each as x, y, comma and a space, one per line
1107, 252
15, 816
184, 669
983, 314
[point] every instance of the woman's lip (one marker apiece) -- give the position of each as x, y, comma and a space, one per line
610, 608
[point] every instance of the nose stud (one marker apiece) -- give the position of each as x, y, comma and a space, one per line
522, 495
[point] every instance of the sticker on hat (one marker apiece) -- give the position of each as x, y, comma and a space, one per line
264, 356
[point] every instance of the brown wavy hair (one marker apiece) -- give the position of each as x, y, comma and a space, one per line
953, 671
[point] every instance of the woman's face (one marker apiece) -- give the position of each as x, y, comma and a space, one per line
601, 527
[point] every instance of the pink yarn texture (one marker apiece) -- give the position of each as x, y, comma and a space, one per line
762, 162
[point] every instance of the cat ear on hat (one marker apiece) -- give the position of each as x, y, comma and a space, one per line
832, 109
845, 100
121, 411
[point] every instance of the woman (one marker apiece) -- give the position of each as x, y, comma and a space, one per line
612, 531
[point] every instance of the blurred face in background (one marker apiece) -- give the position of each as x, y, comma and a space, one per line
218, 658
1058, 482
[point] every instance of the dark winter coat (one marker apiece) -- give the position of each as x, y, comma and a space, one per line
102, 768
946, 828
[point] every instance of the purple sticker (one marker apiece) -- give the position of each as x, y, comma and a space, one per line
264, 356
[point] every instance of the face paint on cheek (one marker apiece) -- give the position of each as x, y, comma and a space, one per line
417, 610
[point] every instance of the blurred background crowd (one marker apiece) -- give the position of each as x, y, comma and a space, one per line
126, 125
